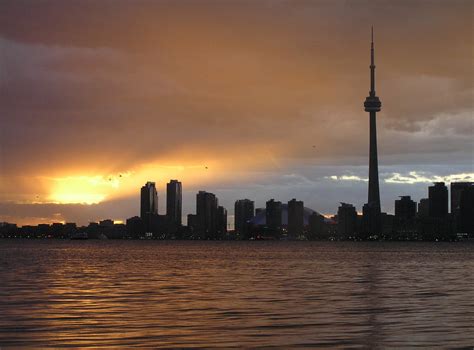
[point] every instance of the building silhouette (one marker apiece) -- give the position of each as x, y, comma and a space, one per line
316, 226
456, 190
423, 208
221, 222
346, 220
174, 202
206, 214
273, 214
244, 210
192, 224
405, 215
372, 104
438, 200
148, 204
135, 227
466, 211
148, 199
405, 209
295, 218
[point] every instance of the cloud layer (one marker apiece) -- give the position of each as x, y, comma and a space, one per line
269, 91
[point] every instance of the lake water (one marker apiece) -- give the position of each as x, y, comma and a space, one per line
347, 295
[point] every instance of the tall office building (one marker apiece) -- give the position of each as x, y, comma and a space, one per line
466, 212
243, 211
192, 223
405, 214
148, 200
424, 208
295, 218
405, 209
456, 190
438, 199
206, 214
372, 104
316, 226
174, 202
346, 220
221, 221
273, 214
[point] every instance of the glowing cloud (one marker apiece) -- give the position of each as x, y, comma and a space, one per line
414, 177
347, 178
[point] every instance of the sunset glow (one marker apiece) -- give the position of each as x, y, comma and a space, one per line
244, 99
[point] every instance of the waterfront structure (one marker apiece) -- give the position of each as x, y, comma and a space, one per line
295, 218
192, 222
174, 202
456, 190
423, 208
148, 204
438, 200
243, 212
135, 227
106, 223
221, 221
273, 215
405, 209
148, 200
346, 220
372, 105
206, 212
466, 211
316, 226
405, 215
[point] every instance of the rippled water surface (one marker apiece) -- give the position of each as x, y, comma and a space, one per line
225, 294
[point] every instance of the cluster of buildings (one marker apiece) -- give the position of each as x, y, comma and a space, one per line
209, 222
429, 220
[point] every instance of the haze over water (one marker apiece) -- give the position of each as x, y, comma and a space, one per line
224, 294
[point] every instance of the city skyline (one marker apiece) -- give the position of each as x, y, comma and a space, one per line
236, 174
259, 118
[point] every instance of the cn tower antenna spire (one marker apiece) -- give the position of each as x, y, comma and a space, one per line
372, 65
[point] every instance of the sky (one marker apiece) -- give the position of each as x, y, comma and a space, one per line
245, 99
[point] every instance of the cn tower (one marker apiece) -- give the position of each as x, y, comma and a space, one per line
372, 105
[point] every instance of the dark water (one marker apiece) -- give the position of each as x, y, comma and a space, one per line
225, 294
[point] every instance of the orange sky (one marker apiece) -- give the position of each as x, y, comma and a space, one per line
102, 96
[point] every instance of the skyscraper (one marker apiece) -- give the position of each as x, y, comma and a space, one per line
295, 218
438, 197
243, 211
221, 221
206, 214
462, 206
424, 208
405, 213
372, 105
148, 204
466, 211
174, 200
148, 200
456, 190
405, 209
346, 220
273, 215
